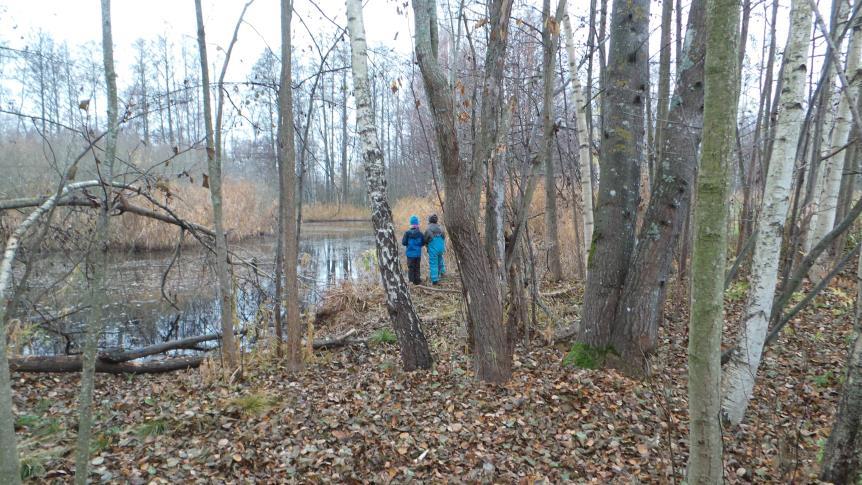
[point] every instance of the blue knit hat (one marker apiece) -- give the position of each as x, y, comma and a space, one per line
414, 220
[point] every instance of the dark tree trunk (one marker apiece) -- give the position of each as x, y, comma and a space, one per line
622, 155
635, 331
492, 354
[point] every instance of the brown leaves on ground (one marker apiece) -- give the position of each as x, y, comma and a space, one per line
353, 416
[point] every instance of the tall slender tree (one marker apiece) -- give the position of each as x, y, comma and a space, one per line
550, 36
479, 272
740, 371
583, 126
721, 78
288, 197
225, 287
405, 321
98, 295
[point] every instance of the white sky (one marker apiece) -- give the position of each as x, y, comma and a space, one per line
78, 22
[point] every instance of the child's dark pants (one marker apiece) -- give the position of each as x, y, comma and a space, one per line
413, 264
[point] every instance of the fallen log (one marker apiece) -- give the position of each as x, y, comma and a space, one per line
73, 363
342, 340
565, 334
190, 343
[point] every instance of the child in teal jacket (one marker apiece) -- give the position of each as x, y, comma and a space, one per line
435, 239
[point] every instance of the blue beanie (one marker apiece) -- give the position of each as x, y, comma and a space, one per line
414, 220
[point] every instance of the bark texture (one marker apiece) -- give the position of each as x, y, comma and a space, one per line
842, 455
584, 151
97, 295
408, 330
492, 354
225, 288
833, 169
622, 155
287, 198
635, 331
710, 243
550, 35
740, 371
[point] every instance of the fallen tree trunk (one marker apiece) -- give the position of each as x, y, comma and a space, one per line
342, 340
72, 363
119, 362
190, 343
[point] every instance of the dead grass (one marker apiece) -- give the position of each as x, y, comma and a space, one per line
334, 212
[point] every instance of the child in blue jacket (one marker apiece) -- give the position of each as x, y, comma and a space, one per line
414, 240
435, 239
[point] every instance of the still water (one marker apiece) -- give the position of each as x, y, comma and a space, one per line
139, 313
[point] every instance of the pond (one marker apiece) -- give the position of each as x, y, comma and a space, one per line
139, 313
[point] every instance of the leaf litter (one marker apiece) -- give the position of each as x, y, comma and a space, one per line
353, 416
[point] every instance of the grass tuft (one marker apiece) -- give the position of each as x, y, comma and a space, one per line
383, 336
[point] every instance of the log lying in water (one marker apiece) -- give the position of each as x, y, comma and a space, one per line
73, 363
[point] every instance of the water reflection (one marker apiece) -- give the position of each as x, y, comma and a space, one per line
139, 315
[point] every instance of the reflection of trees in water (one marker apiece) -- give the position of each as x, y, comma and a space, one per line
138, 316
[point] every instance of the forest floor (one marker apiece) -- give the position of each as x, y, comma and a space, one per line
354, 416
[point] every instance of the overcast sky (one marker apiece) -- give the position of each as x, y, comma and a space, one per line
78, 22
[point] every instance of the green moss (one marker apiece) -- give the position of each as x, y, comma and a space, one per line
585, 356
592, 248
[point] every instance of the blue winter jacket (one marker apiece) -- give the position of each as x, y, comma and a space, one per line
414, 240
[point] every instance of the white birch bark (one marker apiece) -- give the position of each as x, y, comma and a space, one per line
411, 340
740, 371
833, 169
584, 152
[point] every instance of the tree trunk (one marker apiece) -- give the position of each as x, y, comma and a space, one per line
664, 75
550, 34
492, 354
738, 377
288, 197
635, 331
225, 289
584, 152
710, 245
842, 455
405, 321
98, 297
833, 171
622, 154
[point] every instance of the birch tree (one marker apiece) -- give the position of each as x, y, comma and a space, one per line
287, 197
833, 171
405, 321
710, 243
739, 373
98, 291
225, 288
584, 151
